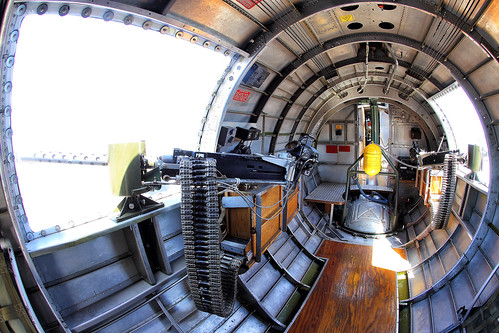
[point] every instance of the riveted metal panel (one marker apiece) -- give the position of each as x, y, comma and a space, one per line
413, 23
492, 103
485, 79
211, 16
273, 107
82, 291
461, 241
297, 38
467, 55
429, 88
292, 113
490, 246
169, 222
253, 324
421, 60
462, 289
286, 128
421, 317
325, 25
255, 10
69, 261
342, 52
304, 73
443, 75
304, 97
479, 271
275, 55
278, 296
404, 53
370, 15
287, 88
346, 70
267, 274
443, 312
138, 317
301, 127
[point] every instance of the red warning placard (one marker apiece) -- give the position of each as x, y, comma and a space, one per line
241, 95
248, 3
330, 149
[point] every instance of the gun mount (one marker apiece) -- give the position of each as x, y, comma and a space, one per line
232, 208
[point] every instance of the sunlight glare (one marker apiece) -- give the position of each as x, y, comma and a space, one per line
384, 256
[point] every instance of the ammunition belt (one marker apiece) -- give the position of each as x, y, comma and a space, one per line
441, 214
212, 274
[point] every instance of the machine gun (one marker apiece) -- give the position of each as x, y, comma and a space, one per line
213, 184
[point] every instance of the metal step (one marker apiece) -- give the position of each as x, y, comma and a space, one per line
490, 245
261, 283
461, 240
300, 235
440, 237
286, 247
307, 209
278, 296
417, 215
427, 247
413, 254
449, 256
475, 219
234, 321
421, 317
421, 225
462, 289
321, 225
480, 269
213, 322
252, 324
452, 224
148, 318
314, 217
313, 243
411, 233
278, 243
443, 311
299, 266
291, 256
417, 281
416, 205
436, 268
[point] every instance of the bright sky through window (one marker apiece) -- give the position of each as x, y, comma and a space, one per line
465, 125
81, 84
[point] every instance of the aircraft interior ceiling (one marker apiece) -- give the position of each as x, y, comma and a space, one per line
295, 67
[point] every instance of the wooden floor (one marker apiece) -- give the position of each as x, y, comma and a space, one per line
351, 294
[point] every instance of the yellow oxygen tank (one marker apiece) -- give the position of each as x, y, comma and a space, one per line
372, 159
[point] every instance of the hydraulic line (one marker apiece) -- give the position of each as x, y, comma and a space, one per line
382, 199
390, 80
361, 88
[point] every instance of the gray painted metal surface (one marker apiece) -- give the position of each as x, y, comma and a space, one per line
449, 268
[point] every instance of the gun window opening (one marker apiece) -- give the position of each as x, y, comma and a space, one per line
80, 86
461, 123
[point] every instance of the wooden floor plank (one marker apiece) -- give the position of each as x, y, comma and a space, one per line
351, 294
